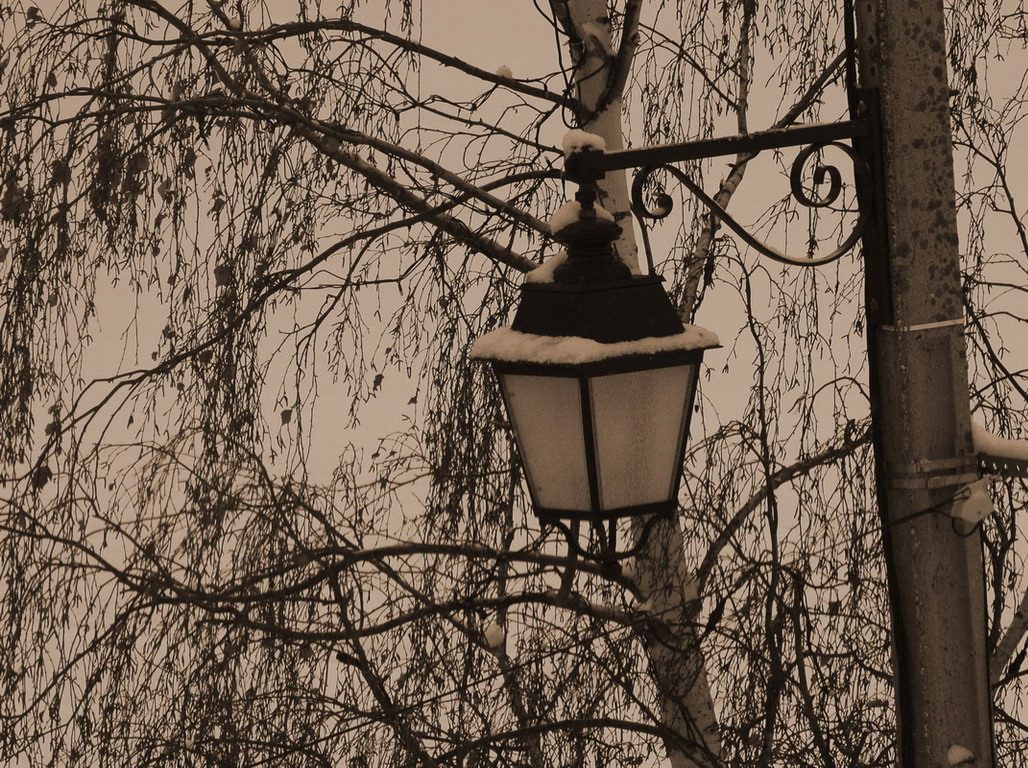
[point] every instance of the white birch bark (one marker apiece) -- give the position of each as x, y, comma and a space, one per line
599, 92
671, 642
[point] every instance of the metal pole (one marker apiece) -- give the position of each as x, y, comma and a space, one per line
919, 391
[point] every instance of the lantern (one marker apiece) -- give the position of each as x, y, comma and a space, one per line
598, 376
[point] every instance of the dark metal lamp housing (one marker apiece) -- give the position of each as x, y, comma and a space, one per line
598, 376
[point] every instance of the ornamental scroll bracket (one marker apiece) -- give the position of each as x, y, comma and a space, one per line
588, 166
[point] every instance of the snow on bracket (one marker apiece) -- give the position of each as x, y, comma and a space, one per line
999, 455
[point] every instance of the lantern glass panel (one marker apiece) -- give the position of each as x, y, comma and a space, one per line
546, 414
639, 425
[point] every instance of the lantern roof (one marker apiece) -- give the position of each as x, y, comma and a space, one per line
510, 345
586, 308
598, 375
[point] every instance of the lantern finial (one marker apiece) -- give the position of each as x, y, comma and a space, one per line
589, 240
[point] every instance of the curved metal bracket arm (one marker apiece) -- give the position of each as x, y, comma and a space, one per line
822, 174
589, 165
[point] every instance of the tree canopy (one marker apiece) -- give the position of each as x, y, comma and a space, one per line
259, 507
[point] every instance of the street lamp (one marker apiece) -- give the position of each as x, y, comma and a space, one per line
598, 375
597, 372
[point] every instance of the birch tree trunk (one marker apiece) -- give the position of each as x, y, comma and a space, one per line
669, 637
673, 646
600, 72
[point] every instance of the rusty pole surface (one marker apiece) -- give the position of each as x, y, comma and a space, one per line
920, 401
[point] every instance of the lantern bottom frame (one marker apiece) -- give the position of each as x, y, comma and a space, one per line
606, 532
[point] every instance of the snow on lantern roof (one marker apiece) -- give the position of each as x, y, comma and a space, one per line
577, 139
516, 347
544, 272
